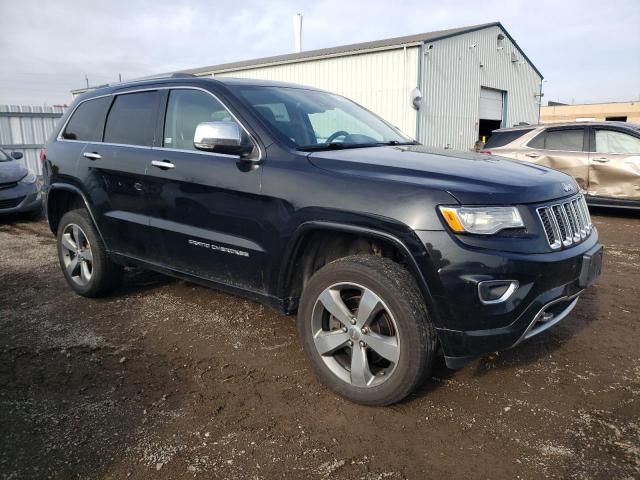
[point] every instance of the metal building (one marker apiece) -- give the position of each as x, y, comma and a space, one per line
447, 88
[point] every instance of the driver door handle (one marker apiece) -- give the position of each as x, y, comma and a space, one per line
92, 155
163, 164
601, 159
531, 155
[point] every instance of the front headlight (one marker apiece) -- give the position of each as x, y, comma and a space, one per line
29, 178
481, 220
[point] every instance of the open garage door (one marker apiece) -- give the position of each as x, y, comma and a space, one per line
490, 112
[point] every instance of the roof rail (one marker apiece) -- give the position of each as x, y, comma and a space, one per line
153, 77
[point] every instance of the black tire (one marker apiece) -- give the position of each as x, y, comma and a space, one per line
398, 290
105, 274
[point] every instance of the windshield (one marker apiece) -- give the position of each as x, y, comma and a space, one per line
315, 120
4, 157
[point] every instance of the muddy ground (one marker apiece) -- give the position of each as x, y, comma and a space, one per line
165, 379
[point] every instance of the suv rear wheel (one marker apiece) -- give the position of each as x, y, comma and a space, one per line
83, 257
366, 330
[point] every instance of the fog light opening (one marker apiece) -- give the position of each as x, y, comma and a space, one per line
496, 291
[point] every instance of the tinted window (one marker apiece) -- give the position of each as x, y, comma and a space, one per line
132, 120
500, 139
567, 140
610, 141
185, 110
87, 122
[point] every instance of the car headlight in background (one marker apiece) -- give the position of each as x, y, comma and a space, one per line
481, 220
29, 178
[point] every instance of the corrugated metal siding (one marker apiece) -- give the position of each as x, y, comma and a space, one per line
27, 133
452, 81
381, 81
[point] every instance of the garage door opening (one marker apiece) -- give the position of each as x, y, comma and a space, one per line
492, 107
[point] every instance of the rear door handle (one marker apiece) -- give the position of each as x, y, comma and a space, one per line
164, 164
92, 155
601, 159
531, 155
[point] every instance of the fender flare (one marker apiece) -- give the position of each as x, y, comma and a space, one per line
72, 188
292, 251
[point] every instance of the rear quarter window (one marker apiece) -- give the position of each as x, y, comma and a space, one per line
500, 139
87, 121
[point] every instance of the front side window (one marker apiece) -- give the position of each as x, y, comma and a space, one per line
313, 120
185, 110
564, 140
4, 157
611, 141
87, 121
132, 119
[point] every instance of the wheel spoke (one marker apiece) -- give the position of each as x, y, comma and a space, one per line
85, 273
328, 342
332, 301
77, 235
68, 243
73, 266
386, 347
360, 373
87, 255
369, 306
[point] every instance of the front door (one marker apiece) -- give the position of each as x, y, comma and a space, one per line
562, 148
614, 164
208, 213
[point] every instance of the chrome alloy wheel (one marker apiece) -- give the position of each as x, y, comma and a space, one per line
76, 254
355, 334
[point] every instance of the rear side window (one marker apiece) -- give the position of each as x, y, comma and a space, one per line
500, 139
566, 140
87, 122
132, 119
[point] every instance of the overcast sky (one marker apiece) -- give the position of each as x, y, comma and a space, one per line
587, 50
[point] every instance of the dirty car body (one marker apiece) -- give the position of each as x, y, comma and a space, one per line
603, 157
266, 222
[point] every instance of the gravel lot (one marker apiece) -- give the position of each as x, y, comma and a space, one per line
165, 379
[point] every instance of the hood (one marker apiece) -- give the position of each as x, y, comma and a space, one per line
472, 178
11, 171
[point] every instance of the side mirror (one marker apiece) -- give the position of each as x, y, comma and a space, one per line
16, 155
219, 137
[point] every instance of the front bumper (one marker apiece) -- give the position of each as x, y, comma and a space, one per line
21, 198
549, 289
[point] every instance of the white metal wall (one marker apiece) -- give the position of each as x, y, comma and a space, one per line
25, 128
381, 81
452, 80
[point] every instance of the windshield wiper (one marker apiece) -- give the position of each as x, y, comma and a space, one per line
334, 146
396, 142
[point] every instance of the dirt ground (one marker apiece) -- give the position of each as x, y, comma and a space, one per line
165, 379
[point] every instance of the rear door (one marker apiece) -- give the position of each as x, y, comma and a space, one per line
113, 171
614, 164
562, 148
209, 213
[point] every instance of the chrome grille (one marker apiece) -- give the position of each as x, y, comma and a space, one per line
566, 223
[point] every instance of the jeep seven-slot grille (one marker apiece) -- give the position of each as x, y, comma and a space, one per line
566, 223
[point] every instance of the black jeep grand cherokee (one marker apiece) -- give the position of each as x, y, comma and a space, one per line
301, 199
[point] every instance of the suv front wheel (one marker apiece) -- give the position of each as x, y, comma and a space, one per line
365, 328
83, 258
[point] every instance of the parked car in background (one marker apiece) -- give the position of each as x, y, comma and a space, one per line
603, 157
19, 188
388, 251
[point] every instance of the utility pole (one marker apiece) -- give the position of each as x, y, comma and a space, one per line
86, 79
